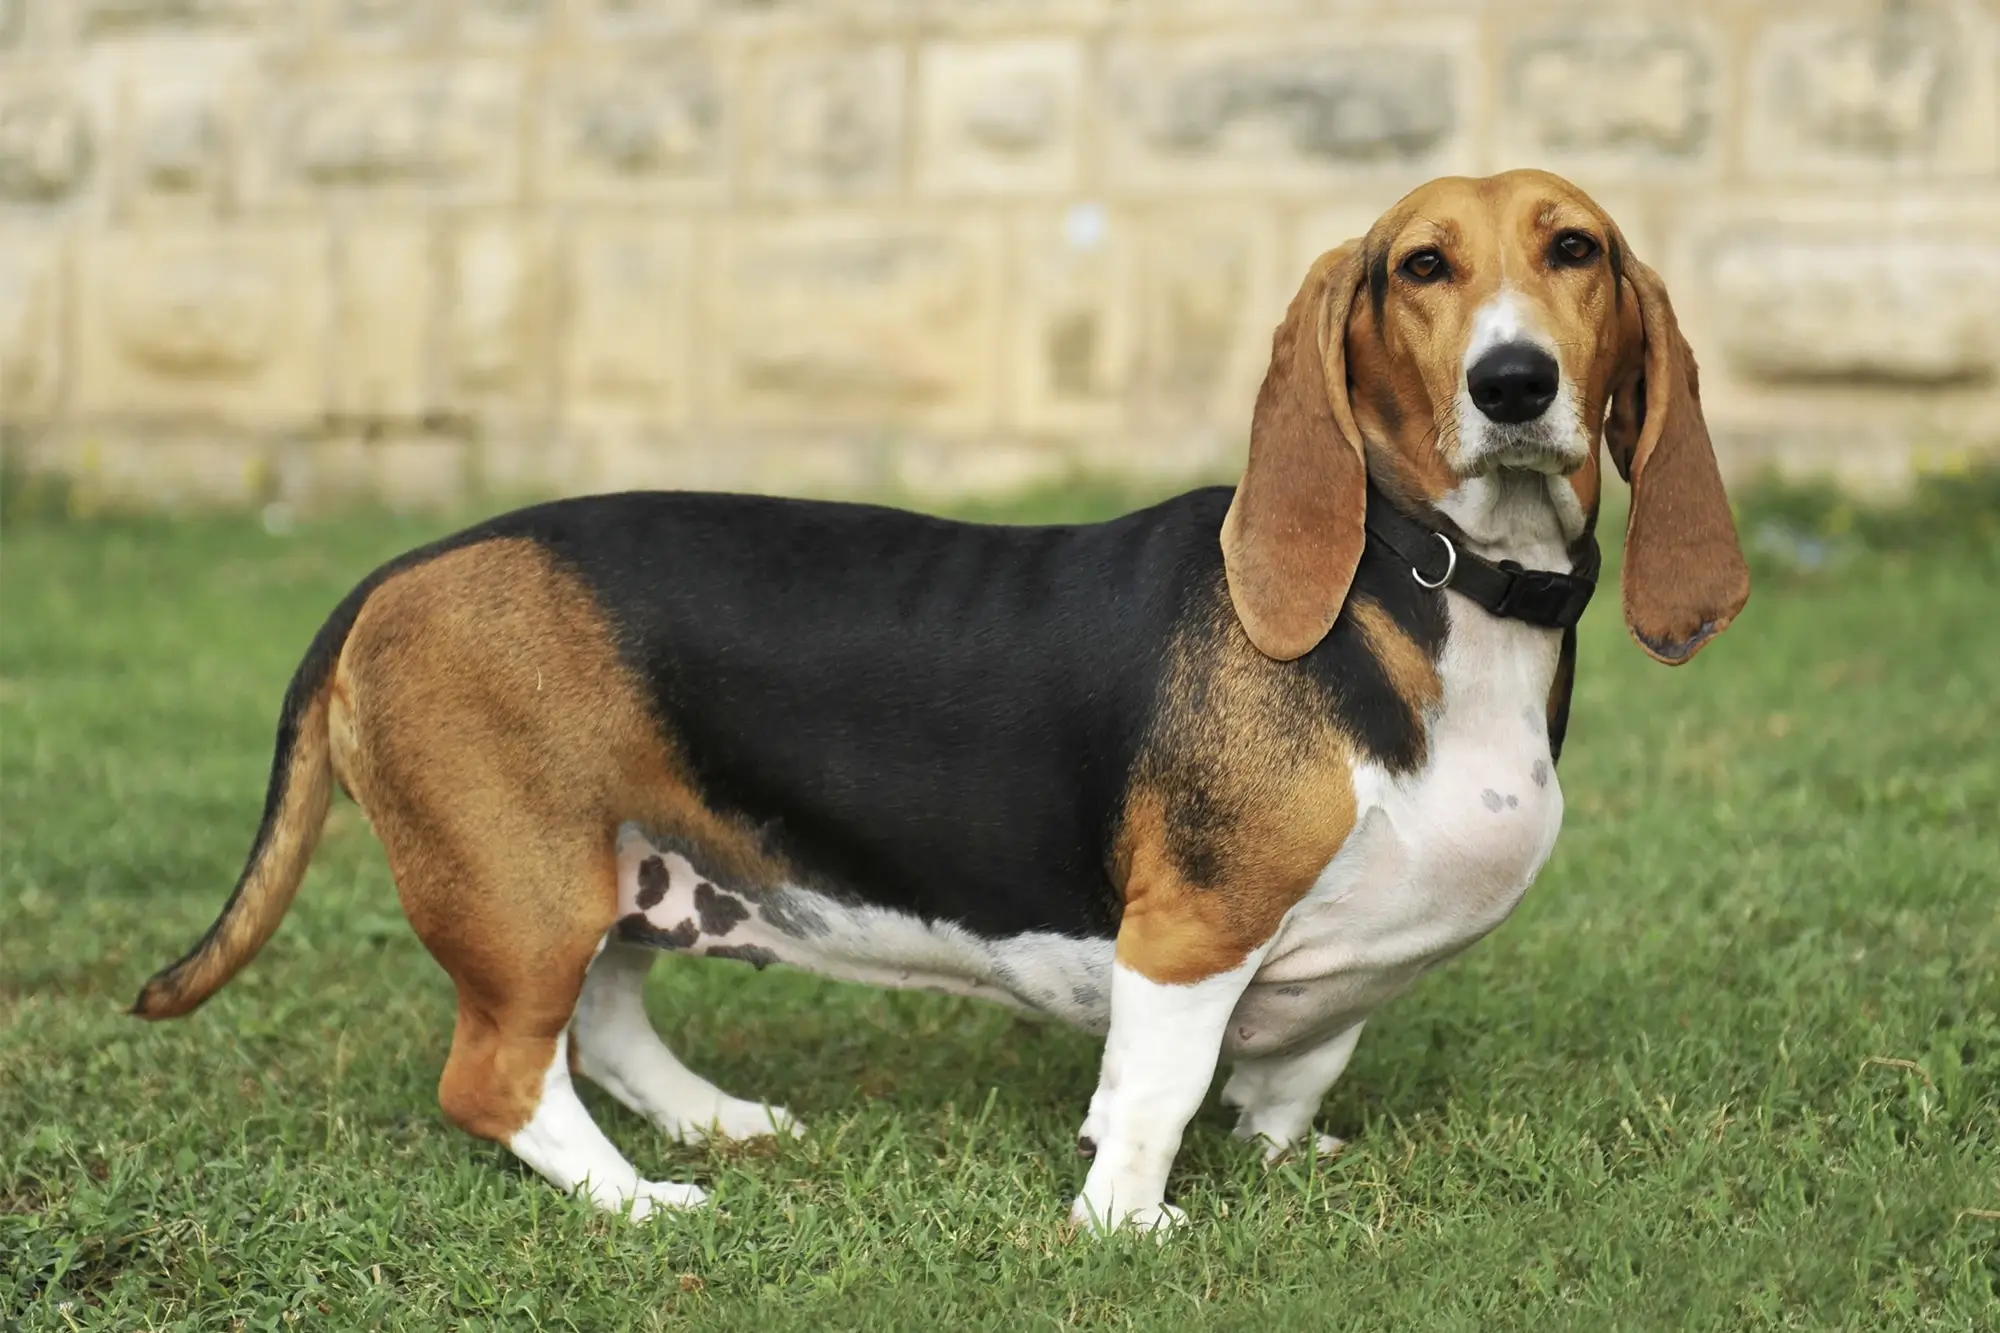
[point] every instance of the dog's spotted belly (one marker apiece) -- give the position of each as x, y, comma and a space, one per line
666, 902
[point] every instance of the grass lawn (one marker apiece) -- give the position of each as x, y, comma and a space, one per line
1735, 1064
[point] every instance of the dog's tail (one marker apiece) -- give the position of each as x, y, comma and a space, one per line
295, 808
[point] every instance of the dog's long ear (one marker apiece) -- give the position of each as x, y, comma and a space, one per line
1684, 579
1295, 529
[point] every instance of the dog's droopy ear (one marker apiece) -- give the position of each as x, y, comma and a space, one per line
1295, 530
1684, 579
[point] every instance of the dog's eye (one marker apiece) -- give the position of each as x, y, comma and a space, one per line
1573, 249
1423, 266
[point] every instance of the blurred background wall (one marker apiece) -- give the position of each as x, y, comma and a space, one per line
305, 250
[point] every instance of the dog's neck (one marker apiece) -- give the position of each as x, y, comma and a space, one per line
1514, 514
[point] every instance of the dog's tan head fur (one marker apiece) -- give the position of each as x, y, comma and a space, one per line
1403, 358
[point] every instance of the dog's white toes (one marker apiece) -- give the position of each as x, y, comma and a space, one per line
736, 1119
657, 1195
1323, 1147
1158, 1220
782, 1123
753, 1120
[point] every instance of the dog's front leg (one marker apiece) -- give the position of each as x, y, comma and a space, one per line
1161, 1053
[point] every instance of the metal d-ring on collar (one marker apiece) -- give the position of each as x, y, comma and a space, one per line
1533, 596
1450, 566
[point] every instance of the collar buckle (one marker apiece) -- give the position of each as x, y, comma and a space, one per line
1534, 596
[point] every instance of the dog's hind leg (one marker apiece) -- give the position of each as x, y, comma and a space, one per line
618, 1049
519, 955
484, 722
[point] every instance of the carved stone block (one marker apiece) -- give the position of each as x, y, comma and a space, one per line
851, 321
1883, 306
183, 151
31, 288
508, 22
1908, 88
760, 18
127, 17
124, 468
827, 122
640, 131
1297, 109
986, 16
201, 324
631, 296
1001, 116
1073, 340
388, 22
497, 330
620, 20
783, 463
944, 469
1319, 230
1239, 9
448, 133
47, 146
1212, 293
1608, 94
384, 321
180, 141
420, 472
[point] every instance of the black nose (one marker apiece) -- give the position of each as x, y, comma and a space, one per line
1514, 382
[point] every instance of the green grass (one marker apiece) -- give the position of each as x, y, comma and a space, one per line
1735, 1064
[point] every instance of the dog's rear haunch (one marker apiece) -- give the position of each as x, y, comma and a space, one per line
1215, 779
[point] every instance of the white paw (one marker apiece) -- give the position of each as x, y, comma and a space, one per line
655, 1195
640, 1199
1158, 1219
1323, 1147
736, 1119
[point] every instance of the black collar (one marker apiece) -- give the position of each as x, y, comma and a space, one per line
1535, 596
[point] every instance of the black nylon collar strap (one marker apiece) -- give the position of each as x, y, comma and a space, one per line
1535, 596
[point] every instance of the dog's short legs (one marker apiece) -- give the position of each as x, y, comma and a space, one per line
517, 929
1278, 1096
618, 1049
1162, 1050
486, 737
564, 1144
508, 1079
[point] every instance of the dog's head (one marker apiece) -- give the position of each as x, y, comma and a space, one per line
1480, 325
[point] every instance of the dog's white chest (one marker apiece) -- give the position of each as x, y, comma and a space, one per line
1437, 859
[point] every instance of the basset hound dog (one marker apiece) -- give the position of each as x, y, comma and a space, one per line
1214, 780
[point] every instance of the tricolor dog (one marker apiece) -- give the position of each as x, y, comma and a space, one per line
1215, 779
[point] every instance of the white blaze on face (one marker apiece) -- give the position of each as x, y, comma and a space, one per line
1554, 442
1500, 321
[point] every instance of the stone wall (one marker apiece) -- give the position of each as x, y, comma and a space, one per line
307, 249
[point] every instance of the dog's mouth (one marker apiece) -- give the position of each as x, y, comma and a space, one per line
1524, 449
